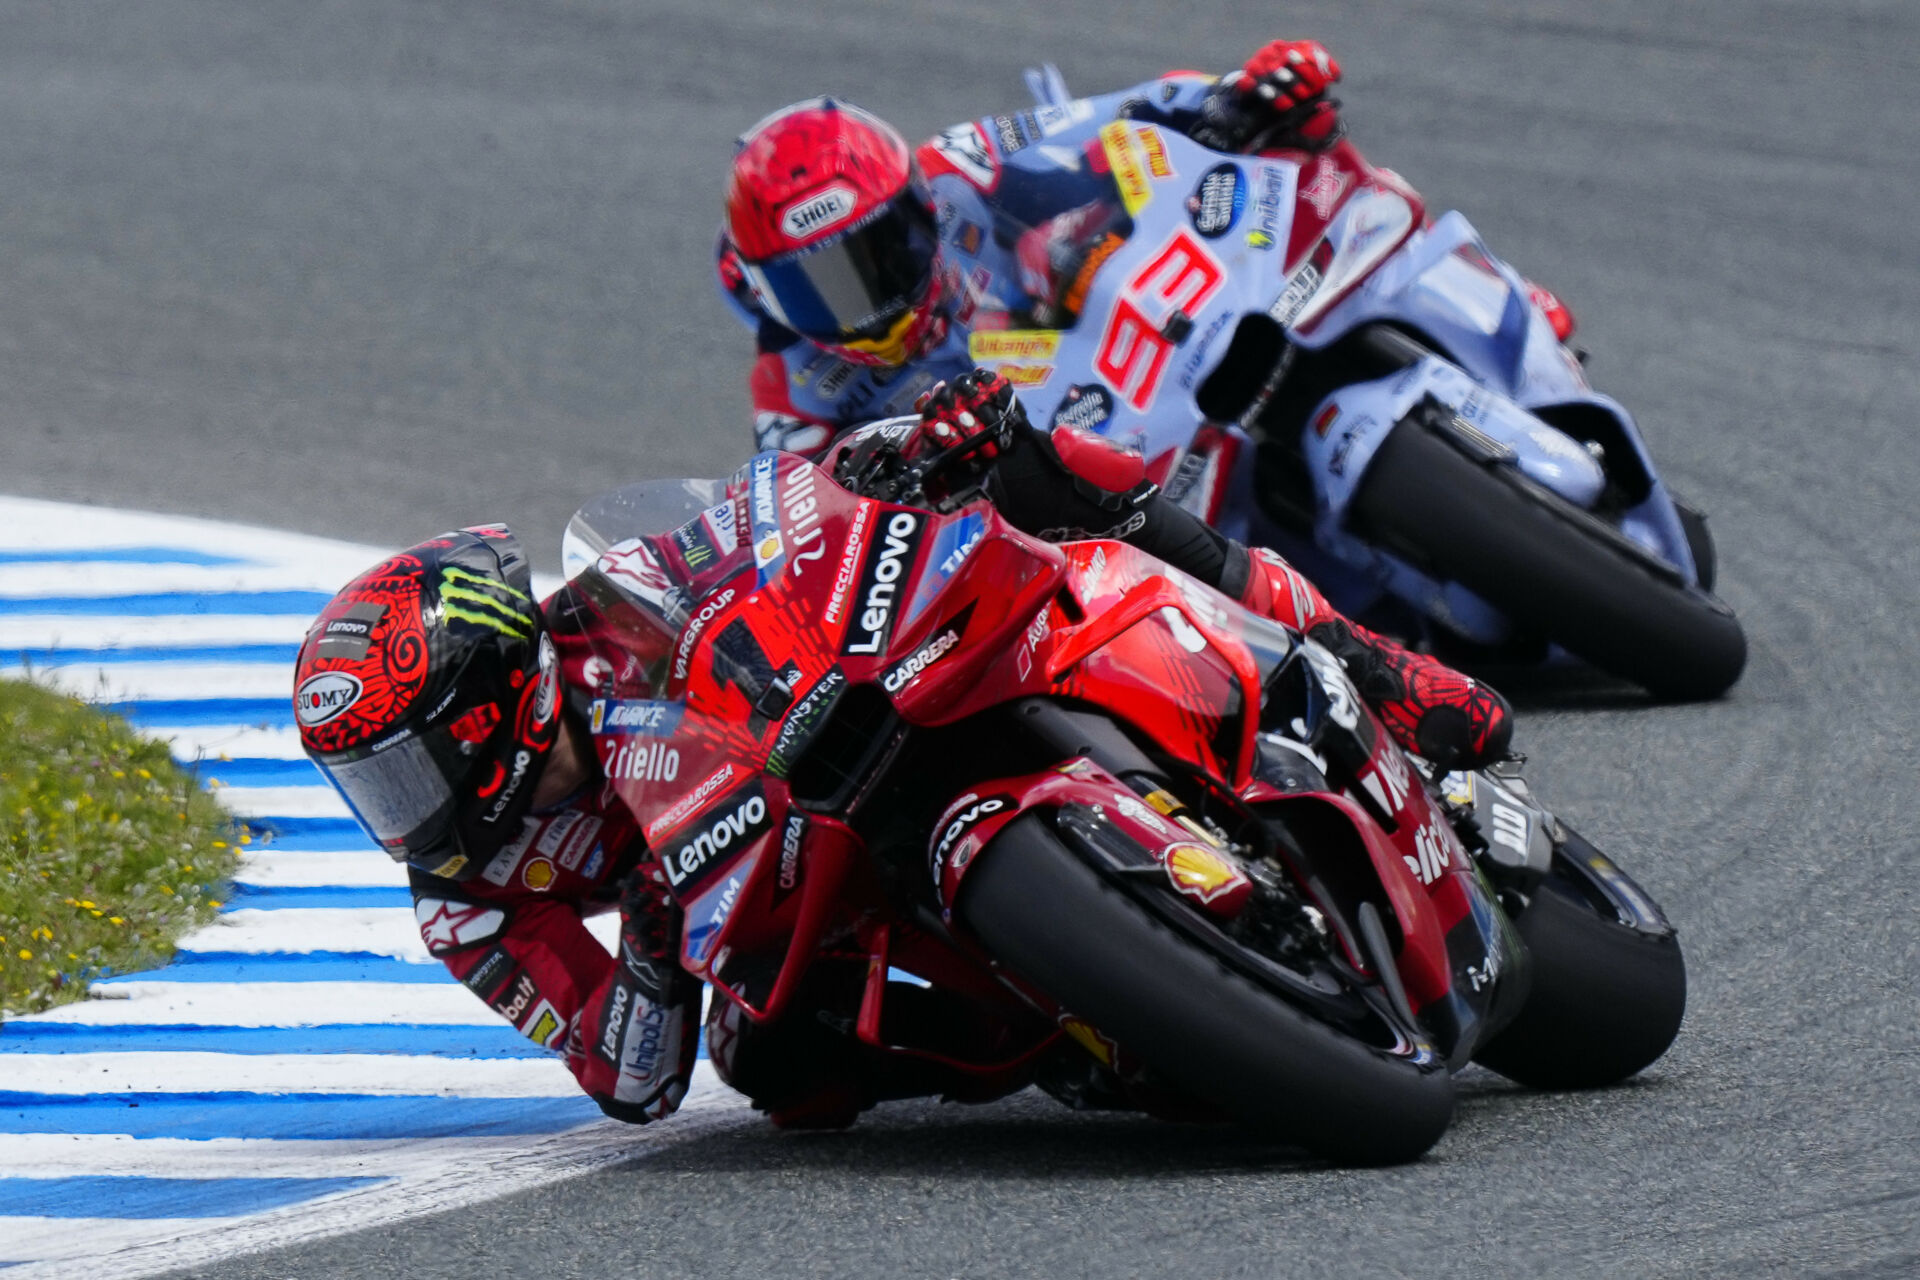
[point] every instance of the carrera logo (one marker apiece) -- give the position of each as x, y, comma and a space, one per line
320, 698
790, 841
926, 655
887, 563
830, 208
737, 822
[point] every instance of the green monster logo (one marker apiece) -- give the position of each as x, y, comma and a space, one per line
485, 602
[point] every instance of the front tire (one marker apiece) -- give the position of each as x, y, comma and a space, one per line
1606, 1001
1551, 567
1212, 1033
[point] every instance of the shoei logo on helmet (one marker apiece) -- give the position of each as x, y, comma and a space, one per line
816, 213
320, 698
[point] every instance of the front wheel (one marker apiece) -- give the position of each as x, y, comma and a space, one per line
1607, 997
1208, 1030
1554, 569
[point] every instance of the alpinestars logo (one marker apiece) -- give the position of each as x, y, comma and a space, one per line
888, 560
737, 822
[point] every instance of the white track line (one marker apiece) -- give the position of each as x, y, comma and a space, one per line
231, 741
32, 523
95, 579
317, 800
74, 1155
128, 1250
357, 868
382, 931
170, 631
140, 681
190, 1071
272, 1004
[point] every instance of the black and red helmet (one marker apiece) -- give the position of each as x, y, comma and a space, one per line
428, 693
833, 227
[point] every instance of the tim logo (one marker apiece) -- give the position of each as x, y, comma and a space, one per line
832, 206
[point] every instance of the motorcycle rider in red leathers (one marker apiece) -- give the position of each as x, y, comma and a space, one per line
862, 265
450, 710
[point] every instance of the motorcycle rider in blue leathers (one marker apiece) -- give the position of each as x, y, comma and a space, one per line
864, 267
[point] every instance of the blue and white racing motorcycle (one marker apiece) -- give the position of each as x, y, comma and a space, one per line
1313, 363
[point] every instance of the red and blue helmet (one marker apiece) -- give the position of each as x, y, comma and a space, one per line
834, 229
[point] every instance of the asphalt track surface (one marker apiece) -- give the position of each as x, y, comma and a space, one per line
371, 269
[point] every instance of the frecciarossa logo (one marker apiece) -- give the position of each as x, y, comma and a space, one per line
876, 600
729, 827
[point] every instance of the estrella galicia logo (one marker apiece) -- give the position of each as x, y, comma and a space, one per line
1087, 407
634, 716
889, 556
1216, 203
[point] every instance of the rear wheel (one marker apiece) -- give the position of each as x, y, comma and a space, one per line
1551, 567
1206, 1029
1607, 998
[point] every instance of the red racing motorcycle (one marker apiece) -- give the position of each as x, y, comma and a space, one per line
1120, 820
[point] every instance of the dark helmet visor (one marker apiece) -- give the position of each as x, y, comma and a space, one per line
859, 283
403, 791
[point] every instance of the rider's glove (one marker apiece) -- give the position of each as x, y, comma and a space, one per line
1278, 99
650, 938
977, 404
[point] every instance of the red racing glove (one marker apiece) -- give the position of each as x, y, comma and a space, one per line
975, 404
1280, 96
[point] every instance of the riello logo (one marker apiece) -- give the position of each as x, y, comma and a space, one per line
320, 698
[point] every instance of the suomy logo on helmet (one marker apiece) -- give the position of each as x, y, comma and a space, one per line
485, 602
320, 698
831, 207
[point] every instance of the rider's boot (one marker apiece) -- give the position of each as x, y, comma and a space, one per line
1447, 718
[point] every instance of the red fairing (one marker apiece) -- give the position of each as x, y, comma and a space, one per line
1550, 306
800, 154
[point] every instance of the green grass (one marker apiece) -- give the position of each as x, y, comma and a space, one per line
108, 850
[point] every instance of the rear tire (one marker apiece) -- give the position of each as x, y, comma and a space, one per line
1208, 1031
1606, 1000
1552, 568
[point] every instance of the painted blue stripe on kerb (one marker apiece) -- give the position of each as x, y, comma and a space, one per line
54, 1038
304, 604
118, 555
289, 1116
315, 841
202, 711
252, 772
339, 833
278, 654
284, 966
106, 1196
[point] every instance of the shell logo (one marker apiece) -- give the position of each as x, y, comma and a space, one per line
1199, 872
1088, 1037
538, 875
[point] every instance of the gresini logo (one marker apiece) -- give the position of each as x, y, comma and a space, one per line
830, 207
887, 562
736, 822
320, 698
